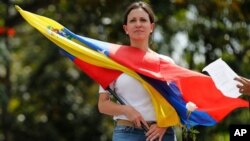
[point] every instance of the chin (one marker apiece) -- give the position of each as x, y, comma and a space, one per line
138, 38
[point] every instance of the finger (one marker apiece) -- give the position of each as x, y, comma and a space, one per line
162, 134
144, 127
241, 90
145, 124
151, 131
160, 138
153, 134
138, 123
239, 79
155, 137
244, 81
236, 78
244, 90
152, 137
239, 86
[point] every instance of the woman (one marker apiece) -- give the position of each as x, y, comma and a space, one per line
138, 25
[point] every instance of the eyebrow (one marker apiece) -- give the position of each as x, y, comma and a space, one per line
139, 18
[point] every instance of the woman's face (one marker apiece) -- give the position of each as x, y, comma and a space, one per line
138, 25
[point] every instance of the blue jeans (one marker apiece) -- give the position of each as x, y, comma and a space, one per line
126, 133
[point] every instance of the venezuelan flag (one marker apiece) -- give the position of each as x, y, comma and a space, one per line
170, 86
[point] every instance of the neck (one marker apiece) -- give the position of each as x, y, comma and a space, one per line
141, 45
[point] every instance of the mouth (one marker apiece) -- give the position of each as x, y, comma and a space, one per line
138, 31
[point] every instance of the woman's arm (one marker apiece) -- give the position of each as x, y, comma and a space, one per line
108, 107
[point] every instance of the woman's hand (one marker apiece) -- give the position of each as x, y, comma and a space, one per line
155, 133
244, 86
133, 115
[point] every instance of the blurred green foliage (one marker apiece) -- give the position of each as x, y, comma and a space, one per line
45, 97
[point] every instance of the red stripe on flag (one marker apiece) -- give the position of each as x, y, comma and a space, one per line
203, 92
101, 75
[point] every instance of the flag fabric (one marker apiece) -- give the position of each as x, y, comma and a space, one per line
84, 57
170, 86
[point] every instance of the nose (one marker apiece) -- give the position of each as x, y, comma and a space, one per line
138, 24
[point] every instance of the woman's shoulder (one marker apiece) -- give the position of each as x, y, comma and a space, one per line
167, 58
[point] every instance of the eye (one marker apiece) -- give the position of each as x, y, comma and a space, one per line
143, 20
132, 20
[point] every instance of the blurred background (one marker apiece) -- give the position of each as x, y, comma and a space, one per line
44, 97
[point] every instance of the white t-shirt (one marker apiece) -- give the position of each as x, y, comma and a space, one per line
133, 93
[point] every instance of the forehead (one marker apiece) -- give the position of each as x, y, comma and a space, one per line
139, 12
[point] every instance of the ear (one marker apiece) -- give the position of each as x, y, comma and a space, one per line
125, 29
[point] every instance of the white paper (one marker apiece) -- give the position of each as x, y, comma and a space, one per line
223, 77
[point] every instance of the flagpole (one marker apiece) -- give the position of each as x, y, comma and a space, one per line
116, 96
122, 103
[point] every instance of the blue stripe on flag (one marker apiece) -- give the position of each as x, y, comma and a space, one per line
99, 46
172, 94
